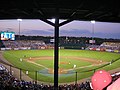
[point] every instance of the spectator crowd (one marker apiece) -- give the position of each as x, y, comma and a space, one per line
9, 82
24, 44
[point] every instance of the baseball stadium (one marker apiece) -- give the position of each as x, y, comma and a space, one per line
59, 45
35, 60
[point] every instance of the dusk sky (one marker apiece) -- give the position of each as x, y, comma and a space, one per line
75, 28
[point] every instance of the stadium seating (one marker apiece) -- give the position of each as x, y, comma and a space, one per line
9, 82
106, 46
111, 46
23, 44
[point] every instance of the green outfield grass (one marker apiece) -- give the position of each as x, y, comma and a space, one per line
66, 62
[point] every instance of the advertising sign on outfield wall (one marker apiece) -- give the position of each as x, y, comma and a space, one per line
91, 41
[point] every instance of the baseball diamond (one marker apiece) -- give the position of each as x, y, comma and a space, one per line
83, 62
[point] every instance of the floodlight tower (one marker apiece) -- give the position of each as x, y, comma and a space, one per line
93, 27
19, 20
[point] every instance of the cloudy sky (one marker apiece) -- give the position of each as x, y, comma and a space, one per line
75, 28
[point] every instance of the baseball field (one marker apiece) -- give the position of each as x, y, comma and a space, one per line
83, 62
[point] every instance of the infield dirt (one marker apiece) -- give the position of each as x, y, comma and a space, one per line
61, 70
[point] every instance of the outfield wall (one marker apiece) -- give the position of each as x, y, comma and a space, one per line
103, 49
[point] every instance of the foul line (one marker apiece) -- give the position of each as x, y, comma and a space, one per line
85, 66
37, 64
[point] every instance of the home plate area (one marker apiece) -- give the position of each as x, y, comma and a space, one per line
60, 71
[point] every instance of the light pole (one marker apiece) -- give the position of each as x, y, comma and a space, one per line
93, 22
19, 20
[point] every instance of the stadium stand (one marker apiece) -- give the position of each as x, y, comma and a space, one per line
9, 82
106, 46
23, 44
111, 45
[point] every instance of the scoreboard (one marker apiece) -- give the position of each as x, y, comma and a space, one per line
7, 35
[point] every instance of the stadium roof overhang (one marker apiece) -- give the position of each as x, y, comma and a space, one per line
84, 10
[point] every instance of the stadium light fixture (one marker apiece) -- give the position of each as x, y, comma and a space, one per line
93, 27
19, 20
53, 20
93, 21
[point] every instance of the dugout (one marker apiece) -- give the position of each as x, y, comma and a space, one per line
73, 46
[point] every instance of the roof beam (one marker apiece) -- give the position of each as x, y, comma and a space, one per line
47, 21
65, 22
43, 16
74, 11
